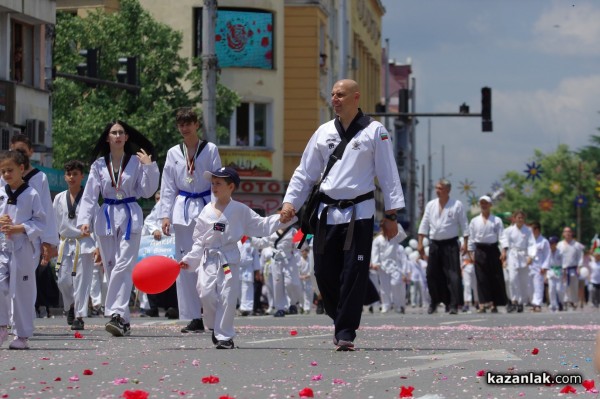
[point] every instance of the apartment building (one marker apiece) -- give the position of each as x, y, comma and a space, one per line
26, 34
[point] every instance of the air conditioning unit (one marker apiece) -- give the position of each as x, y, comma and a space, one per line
35, 129
6, 134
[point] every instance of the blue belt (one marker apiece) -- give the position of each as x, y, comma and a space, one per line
188, 196
112, 201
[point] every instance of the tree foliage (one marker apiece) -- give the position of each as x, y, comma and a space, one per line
81, 112
566, 175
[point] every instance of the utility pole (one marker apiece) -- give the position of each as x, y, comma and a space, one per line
429, 178
387, 82
209, 70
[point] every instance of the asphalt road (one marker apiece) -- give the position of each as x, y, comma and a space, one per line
438, 356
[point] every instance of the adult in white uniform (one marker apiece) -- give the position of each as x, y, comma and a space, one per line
184, 192
444, 219
124, 172
519, 245
485, 232
75, 261
249, 268
21, 224
347, 205
539, 266
572, 258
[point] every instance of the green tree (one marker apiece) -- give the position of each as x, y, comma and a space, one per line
565, 176
81, 112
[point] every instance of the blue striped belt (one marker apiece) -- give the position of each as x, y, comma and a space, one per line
126, 201
189, 196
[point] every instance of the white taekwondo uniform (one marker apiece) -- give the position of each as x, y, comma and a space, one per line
118, 223
75, 261
19, 257
520, 244
249, 263
182, 198
572, 258
216, 256
540, 261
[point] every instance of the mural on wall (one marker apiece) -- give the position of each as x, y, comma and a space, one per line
244, 39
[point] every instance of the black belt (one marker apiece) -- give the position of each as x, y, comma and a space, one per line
342, 204
486, 245
446, 241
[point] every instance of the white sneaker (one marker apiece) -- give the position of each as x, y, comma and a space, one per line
19, 343
3, 335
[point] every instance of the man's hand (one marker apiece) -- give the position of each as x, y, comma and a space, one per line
184, 265
48, 251
287, 212
390, 228
157, 235
166, 225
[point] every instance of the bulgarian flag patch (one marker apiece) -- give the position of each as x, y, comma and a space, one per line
383, 136
226, 269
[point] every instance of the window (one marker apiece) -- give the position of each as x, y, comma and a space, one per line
248, 127
21, 63
243, 37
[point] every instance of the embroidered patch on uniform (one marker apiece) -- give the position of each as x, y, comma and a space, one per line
226, 269
219, 227
1, 198
25, 278
331, 145
383, 136
355, 145
361, 258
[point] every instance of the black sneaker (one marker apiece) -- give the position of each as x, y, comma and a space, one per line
510, 308
279, 313
71, 315
344, 346
293, 309
320, 307
96, 311
519, 308
244, 313
432, 309
172, 313
115, 326
225, 344
126, 329
77, 325
152, 312
195, 326
214, 339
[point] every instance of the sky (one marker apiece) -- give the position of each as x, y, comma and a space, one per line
540, 57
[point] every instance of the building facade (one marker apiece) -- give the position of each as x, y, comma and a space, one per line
26, 33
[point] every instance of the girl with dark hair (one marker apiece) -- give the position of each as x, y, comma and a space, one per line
124, 172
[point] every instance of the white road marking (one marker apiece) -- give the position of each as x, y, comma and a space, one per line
289, 338
443, 360
461, 321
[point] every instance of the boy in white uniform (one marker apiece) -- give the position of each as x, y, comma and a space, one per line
184, 193
75, 262
216, 256
305, 270
21, 225
538, 267
518, 241
555, 276
572, 258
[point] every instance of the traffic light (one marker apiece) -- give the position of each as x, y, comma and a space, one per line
486, 109
129, 74
90, 66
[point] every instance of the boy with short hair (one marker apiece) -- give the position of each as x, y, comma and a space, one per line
215, 254
75, 261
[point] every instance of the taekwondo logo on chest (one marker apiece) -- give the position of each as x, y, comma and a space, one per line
355, 145
361, 258
219, 227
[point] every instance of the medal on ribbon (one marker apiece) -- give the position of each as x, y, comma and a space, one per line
190, 162
118, 179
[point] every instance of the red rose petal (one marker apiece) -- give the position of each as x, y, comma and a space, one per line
58, 379
211, 379
480, 373
568, 389
406, 392
293, 332
226, 397
87, 372
78, 335
535, 351
137, 394
306, 393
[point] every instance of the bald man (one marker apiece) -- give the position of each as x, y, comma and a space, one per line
347, 205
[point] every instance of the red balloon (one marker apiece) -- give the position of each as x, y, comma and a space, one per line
154, 274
